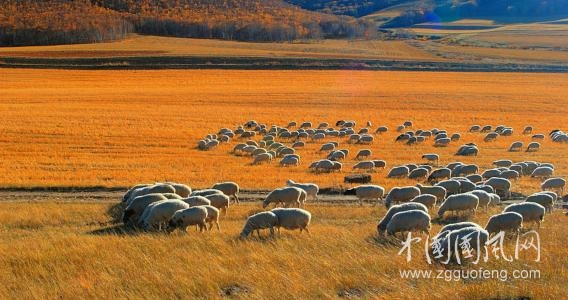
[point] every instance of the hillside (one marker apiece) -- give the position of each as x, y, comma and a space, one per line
47, 22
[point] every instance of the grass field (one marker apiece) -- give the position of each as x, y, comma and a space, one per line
117, 128
65, 250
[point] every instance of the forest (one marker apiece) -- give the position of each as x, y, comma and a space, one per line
47, 22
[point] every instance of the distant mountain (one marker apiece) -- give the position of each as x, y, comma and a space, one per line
43, 22
444, 9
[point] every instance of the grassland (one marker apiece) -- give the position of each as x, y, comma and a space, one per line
54, 249
117, 128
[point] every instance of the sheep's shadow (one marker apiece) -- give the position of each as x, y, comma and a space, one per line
119, 230
383, 241
451, 219
115, 213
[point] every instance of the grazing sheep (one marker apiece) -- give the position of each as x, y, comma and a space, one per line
197, 200
398, 172
452, 186
336, 155
531, 212
516, 146
454, 226
503, 163
545, 200
484, 187
438, 191
128, 193
554, 184
439, 174
158, 213
364, 165
477, 237
491, 137
380, 164
467, 150
431, 157
463, 170
426, 199
212, 216
327, 147
501, 186
363, 153
171, 196
292, 124
287, 196
486, 129
298, 144
401, 194
465, 185
228, 188
410, 220
538, 137
137, 205
382, 225
459, 202
311, 189
289, 161
443, 142
366, 192
366, 139
292, 218
484, 198
490, 173
533, 147
261, 220
206, 192
323, 165
183, 218
455, 137
505, 221
219, 201
475, 178
402, 137
180, 189
542, 172
528, 130
475, 128
418, 173
150, 189
262, 158
381, 129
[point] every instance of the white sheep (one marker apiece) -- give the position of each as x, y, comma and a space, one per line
158, 213
363, 153
180, 189
205, 192
128, 193
459, 202
287, 196
431, 157
533, 147
516, 147
183, 218
137, 205
382, 225
212, 216
197, 200
398, 172
311, 189
438, 191
171, 196
555, 184
503, 163
327, 147
366, 192
504, 221
401, 194
484, 198
367, 165
426, 199
150, 189
439, 174
261, 220
292, 218
454, 226
501, 185
219, 201
452, 186
409, 221
418, 174
545, 200
228, 188
449, 242
289, 161
531, 212
262, 158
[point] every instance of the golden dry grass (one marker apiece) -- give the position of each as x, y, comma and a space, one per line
138, 45
60, 250
117, 128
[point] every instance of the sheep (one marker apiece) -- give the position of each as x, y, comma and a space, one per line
128, 193
459, 202
183, 218
528, 130
538, 137
150, 189
363, 153
381, 129
505, 221
289, 161
398, 172
364, 165
490, 137
402, 137
475, 178
439, 174
287, 196
465, 185
306, 125
261, 220
327, 147
292, 218
452, 186
261, 158
426, 199
418, 173
449, 242
171, 196
363, 131
531, 212
228, 188
407, 124
455, 137
431, 157
555, 183
366, 192
323, 165
533, 147
212, 216
502, 163
467, 150
475, 128
382, 225
180, 189
454, 226
366, 139
486, 129
160, 212
380, 164
484, 198
219, 201
542, 172
206, 192
516, 146
298, 144
484, 187
500, 185
443, 142
438, 191
197, 200
311, 189
410, 220
336, 155
463, 170
292, 124
403, 194
137, 205
545, 200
